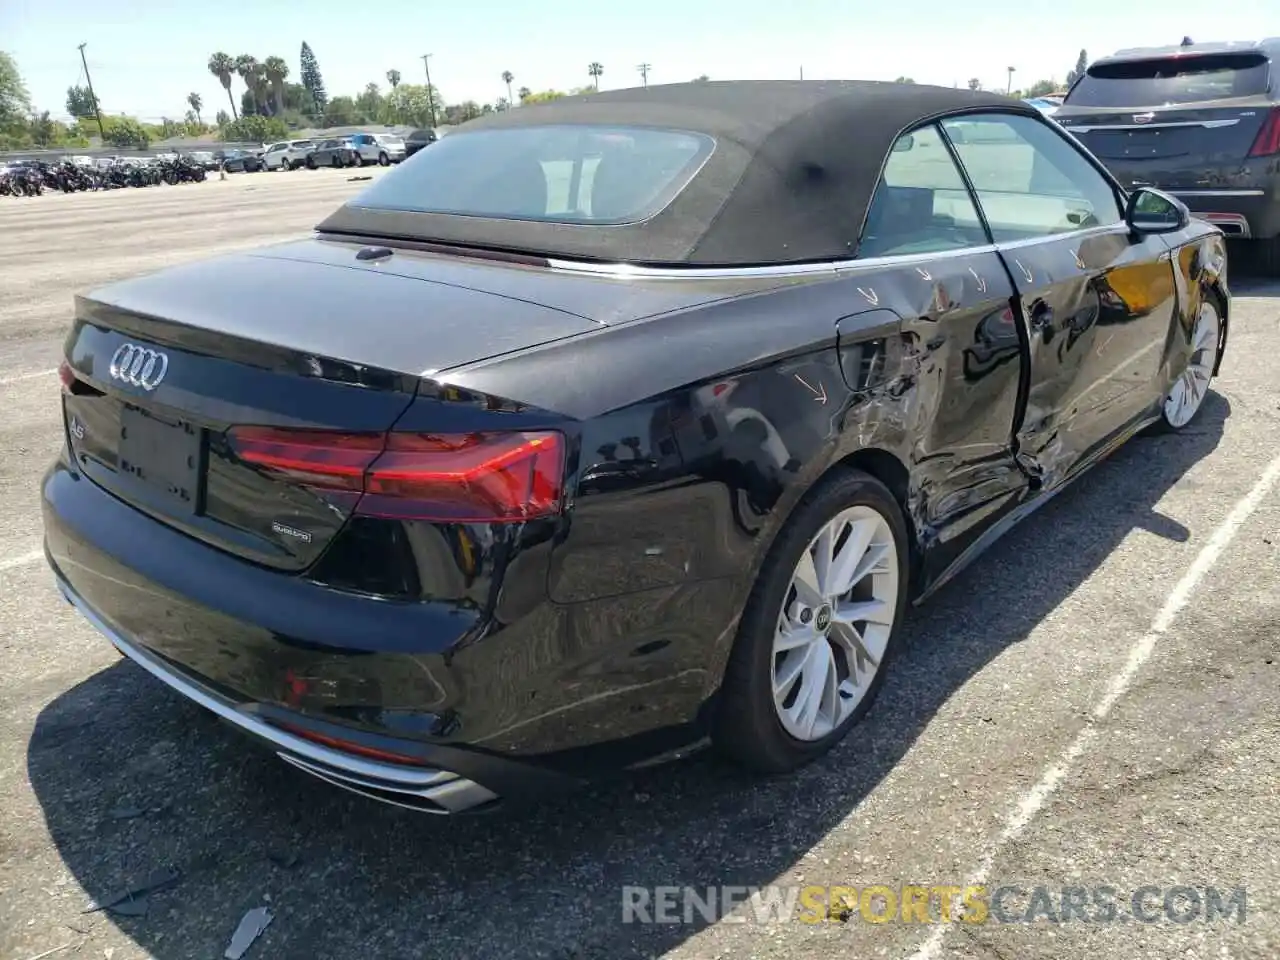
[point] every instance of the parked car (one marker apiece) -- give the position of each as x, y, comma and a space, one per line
611, 470
336, 152
1046, 105
1200, 121
205, 158
419, 139
287, 155
238, 161
383, 148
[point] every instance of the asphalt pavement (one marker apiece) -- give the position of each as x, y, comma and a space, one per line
1092, 706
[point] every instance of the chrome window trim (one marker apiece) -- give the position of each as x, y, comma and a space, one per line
825, 267
1217, 193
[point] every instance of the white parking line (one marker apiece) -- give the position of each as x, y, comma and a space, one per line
21, 559
1035, 798
5, 381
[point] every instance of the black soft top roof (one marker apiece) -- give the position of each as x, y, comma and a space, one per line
792, 174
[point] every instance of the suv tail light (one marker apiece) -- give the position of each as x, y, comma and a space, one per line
456, 478
1267, 143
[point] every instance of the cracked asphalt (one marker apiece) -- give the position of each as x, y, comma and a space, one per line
107, 778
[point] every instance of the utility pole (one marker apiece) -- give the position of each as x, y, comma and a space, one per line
644, 73
431, 91
802, 73
1009, 87
92, 96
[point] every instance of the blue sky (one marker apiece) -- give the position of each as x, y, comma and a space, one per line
146, 55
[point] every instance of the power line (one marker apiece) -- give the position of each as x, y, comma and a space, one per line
644, 69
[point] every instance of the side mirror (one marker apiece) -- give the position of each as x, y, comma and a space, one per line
1153, 211
904, 143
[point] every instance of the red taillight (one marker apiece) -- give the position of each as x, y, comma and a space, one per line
66, 375
1267, 143
478, 477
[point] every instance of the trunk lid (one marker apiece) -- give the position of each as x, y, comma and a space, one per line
160, 368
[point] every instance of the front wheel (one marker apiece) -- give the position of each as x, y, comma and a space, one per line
383, 159
819, 627
1186, 396
311, 163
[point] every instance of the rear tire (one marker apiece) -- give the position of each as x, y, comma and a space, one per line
311, 163
802, 631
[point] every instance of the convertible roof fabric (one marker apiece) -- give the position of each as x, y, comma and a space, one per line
789, 181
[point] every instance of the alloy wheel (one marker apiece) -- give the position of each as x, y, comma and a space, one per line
835, 623
1187, 394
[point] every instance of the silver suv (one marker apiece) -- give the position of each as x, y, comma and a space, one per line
288, 154
383, 148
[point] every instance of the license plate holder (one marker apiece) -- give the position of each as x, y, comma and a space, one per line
165, 457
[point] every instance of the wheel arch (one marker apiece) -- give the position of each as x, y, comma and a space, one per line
893, 473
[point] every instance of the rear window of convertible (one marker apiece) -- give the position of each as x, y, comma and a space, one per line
573, 174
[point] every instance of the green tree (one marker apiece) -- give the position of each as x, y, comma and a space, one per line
126, 132
1040, 88
247, 68
701, 78
254, 129
221, 119
79, 102
393, 78
341, 112
410, 104
369, 104
525, 93
276, 71
904, 80
975, 84
594, 70
1082, 64
195, 101
310, 75
508, 77
222, 66
542, 96
15, 102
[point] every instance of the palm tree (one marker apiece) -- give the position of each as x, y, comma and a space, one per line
276, 70
507, 77
393, 78
247, 66
194, 100
222, 66
594, 71
525, 93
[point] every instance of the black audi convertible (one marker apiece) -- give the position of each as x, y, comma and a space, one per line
613, 427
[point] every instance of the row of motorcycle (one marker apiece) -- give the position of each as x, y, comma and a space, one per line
32, 178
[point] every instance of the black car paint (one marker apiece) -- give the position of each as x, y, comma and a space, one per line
675, 505
697, 414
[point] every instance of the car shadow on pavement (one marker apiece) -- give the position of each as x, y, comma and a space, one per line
132, 779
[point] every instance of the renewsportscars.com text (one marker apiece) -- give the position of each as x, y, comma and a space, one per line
940, 903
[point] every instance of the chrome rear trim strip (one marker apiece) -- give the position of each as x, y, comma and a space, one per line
1217, 193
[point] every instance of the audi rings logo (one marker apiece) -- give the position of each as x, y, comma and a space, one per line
139, 366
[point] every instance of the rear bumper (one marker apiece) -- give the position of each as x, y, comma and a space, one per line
422, 788
486, 709
1241, 214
